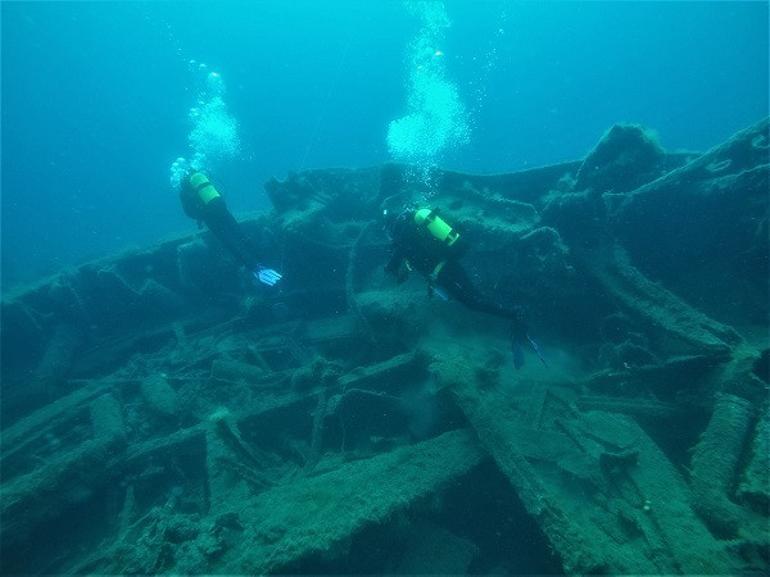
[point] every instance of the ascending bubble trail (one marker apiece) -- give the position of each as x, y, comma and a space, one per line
436, 120
213, 136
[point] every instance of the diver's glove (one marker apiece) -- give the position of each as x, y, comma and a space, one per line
266, 275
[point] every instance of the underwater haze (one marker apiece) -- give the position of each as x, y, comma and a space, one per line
97, 98
360, 287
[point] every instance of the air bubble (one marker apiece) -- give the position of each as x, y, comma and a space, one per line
436, 119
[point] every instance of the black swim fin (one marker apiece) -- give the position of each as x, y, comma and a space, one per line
519, 338
518, 334
536, 348
518, 354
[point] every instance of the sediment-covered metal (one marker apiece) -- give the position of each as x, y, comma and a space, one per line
193, 424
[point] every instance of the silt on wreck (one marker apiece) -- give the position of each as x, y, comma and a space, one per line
160, 415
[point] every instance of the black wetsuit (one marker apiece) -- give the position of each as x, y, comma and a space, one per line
414, 246
221, 223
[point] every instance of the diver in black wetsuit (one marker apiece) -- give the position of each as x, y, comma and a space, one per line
423, 241
202, 202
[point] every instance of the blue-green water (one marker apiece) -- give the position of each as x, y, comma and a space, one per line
578, 384
96, 97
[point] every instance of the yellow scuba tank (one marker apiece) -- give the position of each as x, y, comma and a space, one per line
201, 185
436, 225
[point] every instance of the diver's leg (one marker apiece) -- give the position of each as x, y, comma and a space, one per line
455, 280
224, 226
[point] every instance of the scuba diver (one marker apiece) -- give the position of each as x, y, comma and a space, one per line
423, 241
202, 202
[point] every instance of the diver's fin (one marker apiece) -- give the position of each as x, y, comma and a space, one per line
266, 275
536, 348
517, 334
442, 294
434, 289
518, 354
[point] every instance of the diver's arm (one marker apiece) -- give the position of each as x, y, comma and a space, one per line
394, 262
397, 265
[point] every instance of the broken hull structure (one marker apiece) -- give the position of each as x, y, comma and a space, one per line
161, 415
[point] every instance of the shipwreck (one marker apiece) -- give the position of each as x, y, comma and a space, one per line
161, 415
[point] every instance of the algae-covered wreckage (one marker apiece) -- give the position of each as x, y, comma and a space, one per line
162, 416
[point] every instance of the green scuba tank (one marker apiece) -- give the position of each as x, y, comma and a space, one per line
436, 225
203, 187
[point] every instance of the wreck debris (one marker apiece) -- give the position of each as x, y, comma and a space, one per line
159, 395
632, 406
65, 478
626, 157
215, 429
639, 514
714, 462
701, 229
313, 515
57, 360
350, 289
660, 309
754, 487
